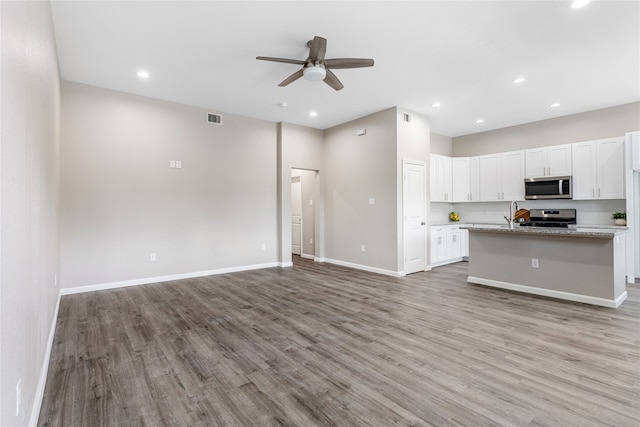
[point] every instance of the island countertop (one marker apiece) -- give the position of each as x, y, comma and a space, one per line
573, 231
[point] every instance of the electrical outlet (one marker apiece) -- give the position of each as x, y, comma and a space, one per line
172, 164
178, 164
311, 241
264, 246
55, 280
362, 248
152, 256
535, 263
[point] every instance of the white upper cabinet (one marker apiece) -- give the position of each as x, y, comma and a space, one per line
464, 180
460, 181
512, 175
466, 177
440, 177
548, 161
489, 178
598, 169
474, 179
634, 139
502, 176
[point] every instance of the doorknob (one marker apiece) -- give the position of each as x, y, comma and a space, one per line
422, 223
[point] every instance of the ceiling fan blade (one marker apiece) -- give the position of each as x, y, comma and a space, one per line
292, 78
317, 48
348, 63
285, 60
333, 81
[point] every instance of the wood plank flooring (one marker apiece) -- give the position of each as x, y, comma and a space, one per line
322, 345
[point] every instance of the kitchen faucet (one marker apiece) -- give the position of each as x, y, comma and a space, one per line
513, 208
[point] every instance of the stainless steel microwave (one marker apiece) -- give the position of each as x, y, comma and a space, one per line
558, 187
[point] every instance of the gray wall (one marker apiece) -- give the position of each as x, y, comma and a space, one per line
302, 148
309, 184
29, 135
413, 143
121, 201
441, 144
592, 125
358, 168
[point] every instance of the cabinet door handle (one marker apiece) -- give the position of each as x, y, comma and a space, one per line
593, 192
598, 191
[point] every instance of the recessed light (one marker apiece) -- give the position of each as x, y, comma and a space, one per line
436, 105
143, 74
313, 114
576, 4
554, 105
480, 121
519, 80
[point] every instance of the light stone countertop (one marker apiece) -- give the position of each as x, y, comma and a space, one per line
599, 231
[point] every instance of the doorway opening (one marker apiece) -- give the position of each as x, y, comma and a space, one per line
303, 212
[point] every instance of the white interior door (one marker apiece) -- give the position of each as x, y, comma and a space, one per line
414, 215
296, 215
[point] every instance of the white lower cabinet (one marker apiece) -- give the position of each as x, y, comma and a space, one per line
449, 244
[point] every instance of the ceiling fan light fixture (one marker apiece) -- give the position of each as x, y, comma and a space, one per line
314, 73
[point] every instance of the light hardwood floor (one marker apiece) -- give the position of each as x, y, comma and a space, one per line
319, 345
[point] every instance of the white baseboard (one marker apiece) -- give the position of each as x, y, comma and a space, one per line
363, 267
306, 256
286, 264
44, 369
317, 259
603, 302
147, 280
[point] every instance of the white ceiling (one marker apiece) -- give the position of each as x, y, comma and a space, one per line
463, 54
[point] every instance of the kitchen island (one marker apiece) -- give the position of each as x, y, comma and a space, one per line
576, 263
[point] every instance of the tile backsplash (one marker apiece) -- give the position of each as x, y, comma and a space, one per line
588, 212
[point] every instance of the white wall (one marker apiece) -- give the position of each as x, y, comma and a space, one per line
120, 200
29, 135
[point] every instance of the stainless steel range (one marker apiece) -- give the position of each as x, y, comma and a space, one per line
550, 218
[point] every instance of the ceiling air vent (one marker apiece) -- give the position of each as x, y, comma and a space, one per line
406, 117
214, 118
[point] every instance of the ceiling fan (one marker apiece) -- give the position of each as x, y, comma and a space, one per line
316, 68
